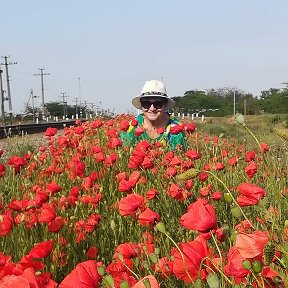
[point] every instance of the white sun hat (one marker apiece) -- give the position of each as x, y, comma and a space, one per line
153, 88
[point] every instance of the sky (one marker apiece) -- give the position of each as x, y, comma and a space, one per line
103, 52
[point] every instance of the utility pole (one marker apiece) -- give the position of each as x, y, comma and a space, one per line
79, 89
33, 104
234, 103
244, 107
2, 98
8, 85
42, 88
64, 103
76, 106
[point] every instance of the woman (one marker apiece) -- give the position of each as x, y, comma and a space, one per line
155, 123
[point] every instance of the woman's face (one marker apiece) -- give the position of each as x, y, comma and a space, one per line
153, 107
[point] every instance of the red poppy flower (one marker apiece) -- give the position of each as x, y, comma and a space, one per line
234, 266
56, 224
92, 252
151, 194
175, 161
194, 252
85, 275
79, 130
206, 190
42, 249
171, 172
251, 169
136, 159
96, 124
177, 192
130, 204
53, 187
47, 214
176, 128
139, 131
217, 195
233, 161
201, 216
124, 125
50, 131
18, 205
249, 194
250, 156
188, 184
251, 245
127, 250
5, 224
193, 155
17, 163
164, 267
27, 279
125, 186
147, 163
148, 217
189, 128
219, 166
28, 261
2, 169
120, 176
134, 177
203, 176
264, 147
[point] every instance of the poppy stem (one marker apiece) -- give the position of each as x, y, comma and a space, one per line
229, 192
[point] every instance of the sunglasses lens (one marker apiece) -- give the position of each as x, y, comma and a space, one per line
156, 104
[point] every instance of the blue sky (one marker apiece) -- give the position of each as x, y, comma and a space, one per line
115, 46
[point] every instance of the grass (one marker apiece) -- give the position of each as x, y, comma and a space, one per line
263, 127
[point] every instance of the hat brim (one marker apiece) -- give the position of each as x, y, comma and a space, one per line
137, 104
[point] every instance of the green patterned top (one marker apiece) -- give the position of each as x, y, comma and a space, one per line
166, 138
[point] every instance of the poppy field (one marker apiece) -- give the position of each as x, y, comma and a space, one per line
85, 211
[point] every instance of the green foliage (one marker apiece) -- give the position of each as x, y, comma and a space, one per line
221, 102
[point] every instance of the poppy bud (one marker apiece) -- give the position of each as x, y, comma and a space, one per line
213, 281
239, 118
109, 281
146, 283
157, 251
113, 225
257, 266
153, 257
161, 227
226, 230
101, 270
236, 212
189, 174
246, 264
227, 197
124, 284
198, 283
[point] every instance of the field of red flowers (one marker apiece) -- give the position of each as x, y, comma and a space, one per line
84, 211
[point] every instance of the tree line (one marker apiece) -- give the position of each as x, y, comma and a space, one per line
222, 102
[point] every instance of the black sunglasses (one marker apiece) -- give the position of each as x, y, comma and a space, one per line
158, 104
